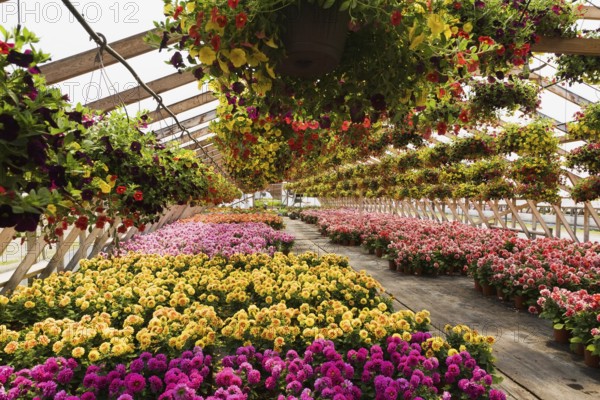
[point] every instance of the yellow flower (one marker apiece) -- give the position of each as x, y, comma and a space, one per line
452, 352
11, 347
435, 22
207, 56
468, 27
57, 347
382, 306
29, 304
78, 352
94, 355
237, 57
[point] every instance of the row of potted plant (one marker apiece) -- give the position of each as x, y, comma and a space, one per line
229, 216
66, 165
576, 320
501, 263
211, 239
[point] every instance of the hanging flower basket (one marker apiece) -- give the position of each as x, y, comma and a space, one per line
314, 40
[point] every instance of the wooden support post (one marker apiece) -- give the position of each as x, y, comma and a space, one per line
84, 243
453, 210
57, 262
592, 212
33, 253
561, 217
586, 224
6, 235
494, 207
435, 205
516, 217
482, 216
464, 207
536, 215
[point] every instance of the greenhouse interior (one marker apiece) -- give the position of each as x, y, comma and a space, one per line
300, 199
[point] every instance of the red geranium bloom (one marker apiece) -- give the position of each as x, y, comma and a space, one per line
141, 227
240, 20
345, 126
121, 189
233, 3
396, 18
59, 231
138, 195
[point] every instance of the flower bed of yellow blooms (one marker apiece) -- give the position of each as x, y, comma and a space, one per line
111, 310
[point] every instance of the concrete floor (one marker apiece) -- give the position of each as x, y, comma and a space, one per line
532, 364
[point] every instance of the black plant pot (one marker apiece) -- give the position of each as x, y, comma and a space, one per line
314, 39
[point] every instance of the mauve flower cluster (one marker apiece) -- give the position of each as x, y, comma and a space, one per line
211, 239
147, 377
401, 370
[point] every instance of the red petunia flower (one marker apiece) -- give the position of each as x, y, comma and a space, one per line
396, 18
240, 20
221, 20
486, 40
5, 47
233, 3
178, 11
121, 189
138, 195
215, 42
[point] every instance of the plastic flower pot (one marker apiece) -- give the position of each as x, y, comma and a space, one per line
477, 286
578, 348
314, 39
561, 336
592, 361
487, 289
392, 264
500, 293
519, 302
379, 252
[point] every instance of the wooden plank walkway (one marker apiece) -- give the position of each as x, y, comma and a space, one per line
533, 366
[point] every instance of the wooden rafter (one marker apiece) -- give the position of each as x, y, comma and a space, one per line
590, 12
581, 46
187, 124
559, 90
137, 93
183, 105
82, 63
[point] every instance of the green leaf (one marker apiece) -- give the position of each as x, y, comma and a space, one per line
559, 326
344, 6
328, 4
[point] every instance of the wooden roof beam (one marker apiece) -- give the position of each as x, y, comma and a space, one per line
582, 46
82, 63
137, 93
182, 106
187, 124
590, 13
559, 90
